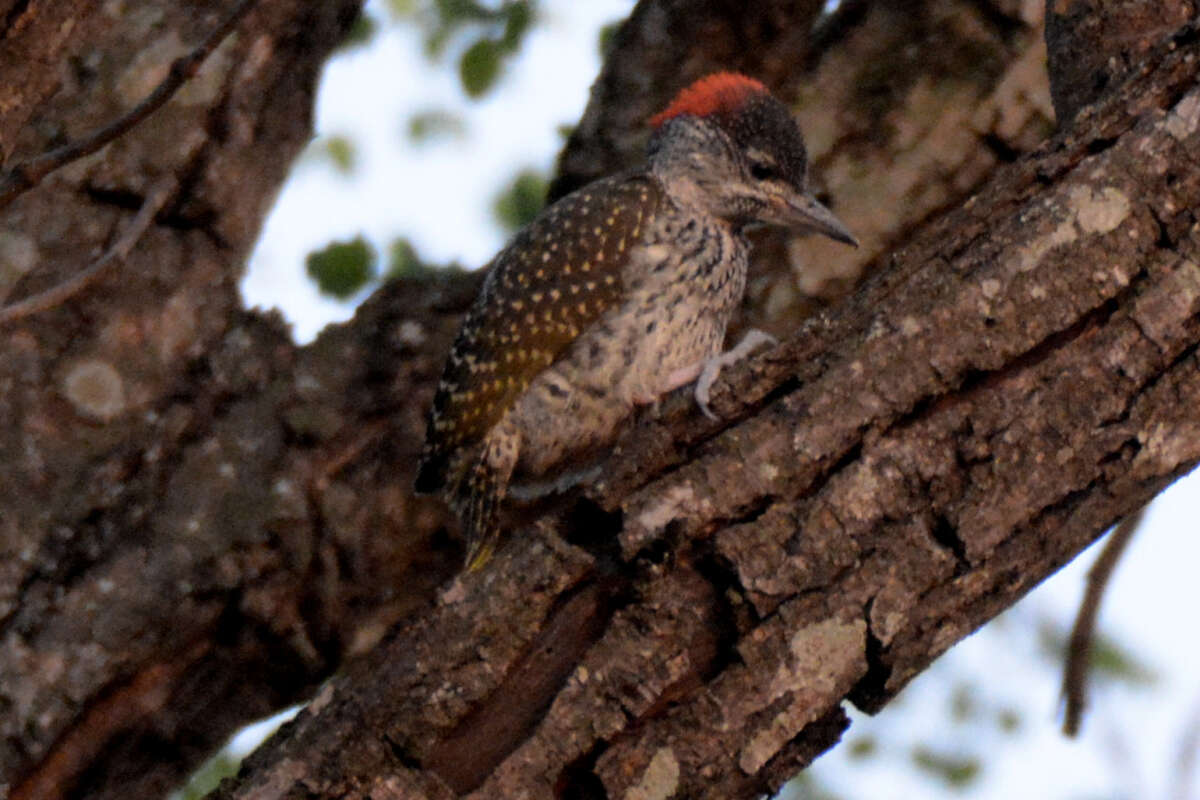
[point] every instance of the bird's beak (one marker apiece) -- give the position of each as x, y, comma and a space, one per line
802, 211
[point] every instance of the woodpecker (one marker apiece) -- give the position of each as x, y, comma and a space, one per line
613, 296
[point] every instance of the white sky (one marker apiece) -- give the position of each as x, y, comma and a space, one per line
440, 194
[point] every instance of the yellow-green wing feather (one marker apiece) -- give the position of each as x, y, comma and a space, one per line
555, 278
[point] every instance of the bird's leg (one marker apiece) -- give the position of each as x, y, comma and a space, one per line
710, 368
682, 376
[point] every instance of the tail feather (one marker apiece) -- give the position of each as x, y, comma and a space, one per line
481, 512
481, 491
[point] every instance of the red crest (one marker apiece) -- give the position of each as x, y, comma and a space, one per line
716, 93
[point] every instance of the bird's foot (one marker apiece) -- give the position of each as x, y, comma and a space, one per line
711, 368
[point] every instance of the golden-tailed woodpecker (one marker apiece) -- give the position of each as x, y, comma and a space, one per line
613, 296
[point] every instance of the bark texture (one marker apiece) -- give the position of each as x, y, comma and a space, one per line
201, 521
1096, 43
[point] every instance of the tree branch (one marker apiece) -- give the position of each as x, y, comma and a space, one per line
903, 469
45, 300
186, 481
1079, 648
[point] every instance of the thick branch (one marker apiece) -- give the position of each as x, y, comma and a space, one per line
1020, 377
205, 521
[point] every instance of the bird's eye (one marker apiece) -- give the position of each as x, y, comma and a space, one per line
762, 172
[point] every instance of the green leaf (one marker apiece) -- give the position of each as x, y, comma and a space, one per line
342, 268
480, 67
518, 18
342, 152
402, 8
403, 261
963, 705
428, 125
862, 747
608, 35
1108, 659
516, 206
1111, 660
1008, 720
956, 771
456, 12
362, 30
806, 787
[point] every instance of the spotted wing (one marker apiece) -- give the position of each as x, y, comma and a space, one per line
545, 288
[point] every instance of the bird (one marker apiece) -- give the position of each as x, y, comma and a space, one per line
613, 296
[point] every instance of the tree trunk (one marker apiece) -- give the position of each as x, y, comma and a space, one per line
202, 521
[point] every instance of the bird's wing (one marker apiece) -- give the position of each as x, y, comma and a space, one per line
556, 277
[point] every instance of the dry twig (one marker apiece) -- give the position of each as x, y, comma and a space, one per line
27, 174
43, 301
1079, 647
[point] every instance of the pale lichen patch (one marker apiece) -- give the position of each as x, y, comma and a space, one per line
178, 327
1099, 212
18, 254
1185, 117
1165, 447
411, 334
322, 699
676, 502
95, 389
1163, 310
149, 68
1029, 255
1090, 212
258, 55
660, 780
824, 660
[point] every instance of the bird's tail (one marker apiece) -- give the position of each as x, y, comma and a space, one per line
481, 491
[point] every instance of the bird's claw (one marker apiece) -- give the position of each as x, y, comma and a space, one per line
753, 339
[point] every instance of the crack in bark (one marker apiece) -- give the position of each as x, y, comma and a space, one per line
870, 691
15, 12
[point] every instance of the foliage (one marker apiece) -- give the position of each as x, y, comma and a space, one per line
425, 126
518, 203
494, 34
607, 37
1109, 660
956, 770
342, 268
404, 262
361, 32
342, 152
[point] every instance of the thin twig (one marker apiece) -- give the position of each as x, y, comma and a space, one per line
1079, 647
42, 301
27, 174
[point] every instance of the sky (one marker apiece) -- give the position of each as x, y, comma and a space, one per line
439, 195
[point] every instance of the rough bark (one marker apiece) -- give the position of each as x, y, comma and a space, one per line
1022, 375
203, 521
158, 583
1095, 43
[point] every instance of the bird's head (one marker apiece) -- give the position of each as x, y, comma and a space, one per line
735, 151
